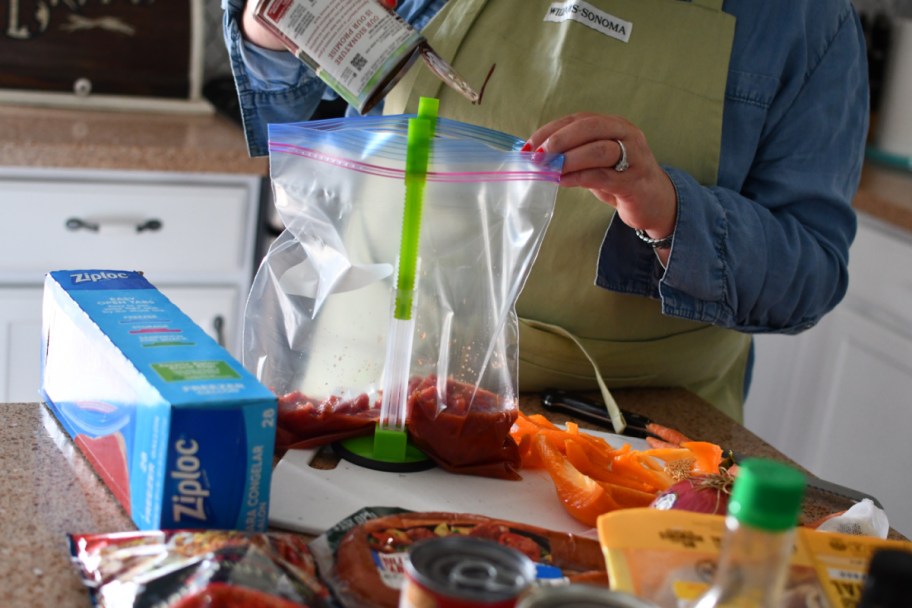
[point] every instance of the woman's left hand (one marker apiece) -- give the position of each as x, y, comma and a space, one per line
642, 193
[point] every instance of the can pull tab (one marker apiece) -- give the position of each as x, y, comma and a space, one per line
480, 575
445, 72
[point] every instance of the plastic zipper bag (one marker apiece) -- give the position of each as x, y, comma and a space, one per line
318, 313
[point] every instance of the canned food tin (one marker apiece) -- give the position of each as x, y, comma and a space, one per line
464, 571
580, 596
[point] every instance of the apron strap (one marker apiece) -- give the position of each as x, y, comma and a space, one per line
714, 5
450, 31
617, 418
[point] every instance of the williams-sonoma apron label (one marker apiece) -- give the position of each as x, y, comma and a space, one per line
585, 13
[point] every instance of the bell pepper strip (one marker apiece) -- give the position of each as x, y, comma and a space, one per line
628, 498
670, 454
540, 421
708, 456
632, 465
529, 458
592, 477
583, 497
603, 473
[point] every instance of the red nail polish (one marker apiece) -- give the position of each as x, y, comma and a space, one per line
540, 150
527, 147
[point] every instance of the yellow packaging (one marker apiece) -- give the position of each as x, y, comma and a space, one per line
669, 557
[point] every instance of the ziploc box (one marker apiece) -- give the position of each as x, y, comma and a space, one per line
179, 431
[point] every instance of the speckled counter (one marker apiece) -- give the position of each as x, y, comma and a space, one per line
886, 194
140, 141
48, 489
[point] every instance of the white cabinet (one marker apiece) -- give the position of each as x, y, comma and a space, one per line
20, 337
191, 234
838, 398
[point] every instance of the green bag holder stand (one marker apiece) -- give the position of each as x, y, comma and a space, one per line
389, 449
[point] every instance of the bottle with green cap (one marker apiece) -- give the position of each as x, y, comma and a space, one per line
760, 527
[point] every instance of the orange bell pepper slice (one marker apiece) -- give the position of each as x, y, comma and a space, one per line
601, 471
583, 497
708, 456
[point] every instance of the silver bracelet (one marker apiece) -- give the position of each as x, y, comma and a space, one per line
662, 243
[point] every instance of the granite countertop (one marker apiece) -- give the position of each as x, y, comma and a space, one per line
48, 489
886, 194
138, 141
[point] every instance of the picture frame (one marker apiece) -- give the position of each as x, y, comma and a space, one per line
103, 54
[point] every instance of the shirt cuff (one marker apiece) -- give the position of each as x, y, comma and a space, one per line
695, 271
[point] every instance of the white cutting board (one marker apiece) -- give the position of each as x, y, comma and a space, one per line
310, 500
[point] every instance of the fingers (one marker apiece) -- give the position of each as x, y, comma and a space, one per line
569, 132
641, 191
589, 141
256, 32
598, 154
538, 138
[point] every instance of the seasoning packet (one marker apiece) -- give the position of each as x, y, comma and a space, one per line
198, 568
670, 558
357, 47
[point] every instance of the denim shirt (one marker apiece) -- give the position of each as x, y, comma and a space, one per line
766, 248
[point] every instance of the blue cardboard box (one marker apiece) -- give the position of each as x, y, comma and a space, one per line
176, 427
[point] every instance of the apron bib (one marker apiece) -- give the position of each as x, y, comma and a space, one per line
670, 82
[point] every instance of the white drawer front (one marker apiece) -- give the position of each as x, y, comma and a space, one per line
186, 227
880, 277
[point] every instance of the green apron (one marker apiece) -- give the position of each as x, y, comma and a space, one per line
668, 78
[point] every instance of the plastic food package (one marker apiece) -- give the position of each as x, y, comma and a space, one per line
198, 568
864, 517
318, 314
362, 558
670, 557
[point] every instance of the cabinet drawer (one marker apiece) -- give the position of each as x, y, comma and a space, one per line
136, 225
880, 278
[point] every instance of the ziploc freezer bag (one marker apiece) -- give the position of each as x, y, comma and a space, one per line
318, 313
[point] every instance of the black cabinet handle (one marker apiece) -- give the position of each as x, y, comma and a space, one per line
74, 223
150, 225
218, 324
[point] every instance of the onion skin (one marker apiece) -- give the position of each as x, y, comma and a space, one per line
700, 494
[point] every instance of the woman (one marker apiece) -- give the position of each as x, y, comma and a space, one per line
712, 151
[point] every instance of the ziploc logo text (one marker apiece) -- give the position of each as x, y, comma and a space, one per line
208, 465
94, 277
189, 499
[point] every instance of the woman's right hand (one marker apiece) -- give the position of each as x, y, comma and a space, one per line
256, 32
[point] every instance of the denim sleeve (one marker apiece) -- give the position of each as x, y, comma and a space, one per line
272, 86
277, 87
766, 250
